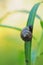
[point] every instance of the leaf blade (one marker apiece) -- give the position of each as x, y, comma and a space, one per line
12, 27
28, 53
32, 15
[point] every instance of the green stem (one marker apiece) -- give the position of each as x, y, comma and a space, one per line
30, 22
28, 53
26, 11
17, 11
16, 28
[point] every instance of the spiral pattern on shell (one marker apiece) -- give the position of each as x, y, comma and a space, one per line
26, 34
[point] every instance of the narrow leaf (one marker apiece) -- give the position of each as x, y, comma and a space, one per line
26, 11
32, 15
30, 22
17, 11
16, 28
28, 53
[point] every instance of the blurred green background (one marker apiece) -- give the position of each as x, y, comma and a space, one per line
11, 45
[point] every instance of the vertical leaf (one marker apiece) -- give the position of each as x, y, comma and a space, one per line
28, 53
30, 22
32, 15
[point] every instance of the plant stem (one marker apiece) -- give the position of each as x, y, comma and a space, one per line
28, 53
17, 11
25, 11
28, 44
16, 28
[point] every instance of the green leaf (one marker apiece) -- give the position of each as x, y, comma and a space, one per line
32, 15
30, 22
41, 22
28, 53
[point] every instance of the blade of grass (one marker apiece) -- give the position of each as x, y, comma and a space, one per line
32, 15
28, 53
30, 22
26, 11
16, 28
17, 11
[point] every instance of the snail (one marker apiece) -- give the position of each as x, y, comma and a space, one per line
26, 33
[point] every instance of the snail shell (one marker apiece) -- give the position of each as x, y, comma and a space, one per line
26, 34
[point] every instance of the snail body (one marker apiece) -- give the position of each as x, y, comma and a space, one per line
26, 34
